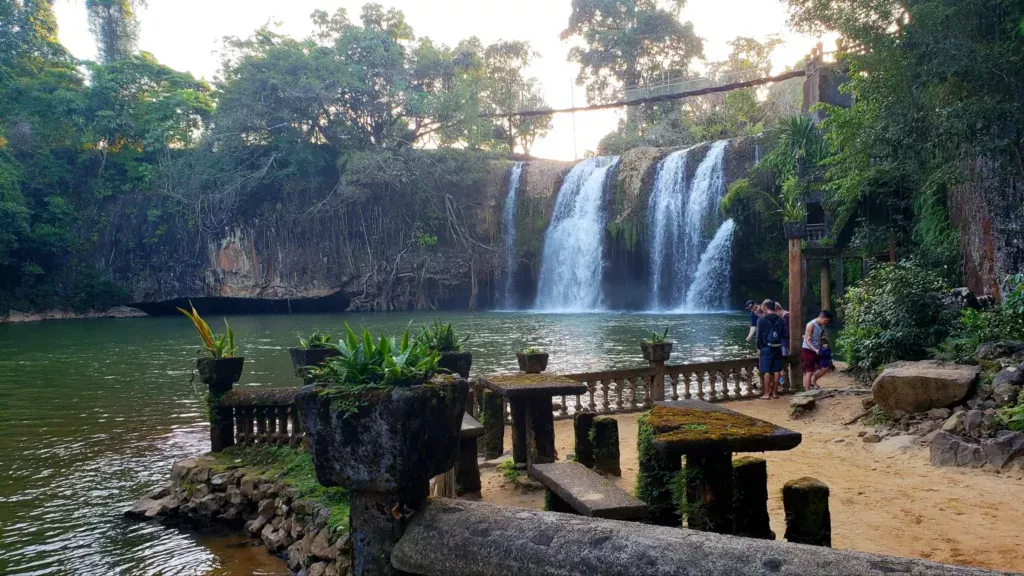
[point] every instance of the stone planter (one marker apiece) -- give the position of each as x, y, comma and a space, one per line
383, 447
456, 362
532, 363
656, 351
219, 373
795, 229
307, 357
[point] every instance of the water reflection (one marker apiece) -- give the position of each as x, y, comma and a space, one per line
93, 413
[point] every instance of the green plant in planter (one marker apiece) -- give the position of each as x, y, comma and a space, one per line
216, 345
365, 365
656, 338
531, 350
441, 337
316, 339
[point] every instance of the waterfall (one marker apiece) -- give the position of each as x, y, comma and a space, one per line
570, 272
664, 211
710, 288
679, 216
508, 228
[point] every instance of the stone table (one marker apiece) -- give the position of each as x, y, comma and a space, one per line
708, 435
533, 422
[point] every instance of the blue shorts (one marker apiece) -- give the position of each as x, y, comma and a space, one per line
771, 360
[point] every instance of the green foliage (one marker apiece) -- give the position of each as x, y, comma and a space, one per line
509, 471
216, 345
368, 364
441, 337
292, 466
1005, 321
1013, 417
114, 25
508, 90
531, 350
656, 337
896, 313
316, 339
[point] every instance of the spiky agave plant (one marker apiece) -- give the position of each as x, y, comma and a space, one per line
216, 345
657, 338
385, 362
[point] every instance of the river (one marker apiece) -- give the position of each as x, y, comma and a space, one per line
94, 412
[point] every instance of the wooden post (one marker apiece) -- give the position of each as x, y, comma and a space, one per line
826, 285
865, 267
840, 277
796, 302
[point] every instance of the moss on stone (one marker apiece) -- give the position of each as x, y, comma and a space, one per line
604, 438
523, 380
808, 520
671, 425
293, 466
658, 478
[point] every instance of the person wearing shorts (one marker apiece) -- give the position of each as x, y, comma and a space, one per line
772, 333
811, 349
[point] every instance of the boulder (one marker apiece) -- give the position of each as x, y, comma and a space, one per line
1001, 450
1005, 393
949, 450
182, 468
927, 427
800, 404
871, 439
1011, 375
897, 445
995, 350
322, 546
940, 413
922, 386
972, 423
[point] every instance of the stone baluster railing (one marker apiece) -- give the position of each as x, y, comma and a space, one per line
264, 415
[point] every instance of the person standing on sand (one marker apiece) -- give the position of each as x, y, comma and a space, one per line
811, 349
772, 333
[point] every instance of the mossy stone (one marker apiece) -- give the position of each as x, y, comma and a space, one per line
582, 423
605, 438
808, 520
658, 478
492, 416
750, 498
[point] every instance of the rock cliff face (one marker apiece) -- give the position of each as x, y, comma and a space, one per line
376, 251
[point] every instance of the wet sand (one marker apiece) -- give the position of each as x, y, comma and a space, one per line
881, 502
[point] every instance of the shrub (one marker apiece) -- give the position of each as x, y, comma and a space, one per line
441, 337
896, 313
657, 337
317, 339
367, 364
1002, 322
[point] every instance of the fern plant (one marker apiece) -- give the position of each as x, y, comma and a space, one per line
441, 337
657, 338
216, 345
364, 363
316, 339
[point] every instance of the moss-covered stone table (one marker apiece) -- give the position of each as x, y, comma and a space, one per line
708, 435
533, 422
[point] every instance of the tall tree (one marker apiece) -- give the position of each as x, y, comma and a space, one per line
509, 90
628, 42
115, 26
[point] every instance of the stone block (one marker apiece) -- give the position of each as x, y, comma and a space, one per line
750, 498
605, 439
1003, 449
920, 386
492, 417
587, 492
582, 424
808, 520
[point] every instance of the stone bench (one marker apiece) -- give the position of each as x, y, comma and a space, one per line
574, 488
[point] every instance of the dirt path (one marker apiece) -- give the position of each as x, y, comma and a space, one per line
887, 503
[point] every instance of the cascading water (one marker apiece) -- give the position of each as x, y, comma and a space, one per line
570, 272
508, 228
679, 215
664, 210
710, 288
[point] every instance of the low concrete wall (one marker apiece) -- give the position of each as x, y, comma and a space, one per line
460, 538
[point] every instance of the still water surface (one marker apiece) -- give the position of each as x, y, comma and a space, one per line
93, 414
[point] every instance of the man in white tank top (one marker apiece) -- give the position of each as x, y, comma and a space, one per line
812, 347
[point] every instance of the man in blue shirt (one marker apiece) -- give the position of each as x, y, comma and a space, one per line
755, 313
772, 334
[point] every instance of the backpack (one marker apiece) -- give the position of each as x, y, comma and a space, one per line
774, 337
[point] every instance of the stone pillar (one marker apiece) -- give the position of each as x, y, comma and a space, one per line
467, 469
540, 431
807, 516
658, 382
826, 285
375, 529
582, 423
657, 479
605, 437
796, 303
708, 481
750, 498
492, 416
519, 445
219, 375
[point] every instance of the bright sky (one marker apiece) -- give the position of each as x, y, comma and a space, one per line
185, 34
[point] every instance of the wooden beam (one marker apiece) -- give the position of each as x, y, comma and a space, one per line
796, 305
826, 285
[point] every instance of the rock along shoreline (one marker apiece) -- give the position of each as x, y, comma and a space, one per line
16, 317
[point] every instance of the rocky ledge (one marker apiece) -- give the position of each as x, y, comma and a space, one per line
203, 492
16, 317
